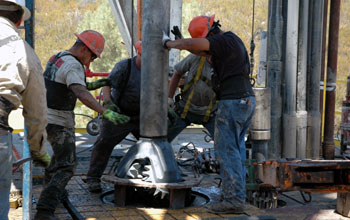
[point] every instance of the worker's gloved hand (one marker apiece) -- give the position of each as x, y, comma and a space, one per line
110, 105
173, 118
177, 33
170, 103
98, 84
115, 117
41, 160
165, 40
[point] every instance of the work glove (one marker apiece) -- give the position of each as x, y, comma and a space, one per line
165, 40
173, 118
177, 33
115, 117
41, 160
110, 105
170, 103
98, 84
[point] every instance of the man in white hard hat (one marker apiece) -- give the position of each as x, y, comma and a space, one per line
21, 82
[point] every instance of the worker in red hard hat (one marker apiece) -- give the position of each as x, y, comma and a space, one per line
236, 103
21, 83
122, 95
65, 83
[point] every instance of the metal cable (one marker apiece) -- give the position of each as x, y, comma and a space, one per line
289, 197
252, 48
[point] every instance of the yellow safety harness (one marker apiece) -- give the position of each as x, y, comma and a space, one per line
193, 82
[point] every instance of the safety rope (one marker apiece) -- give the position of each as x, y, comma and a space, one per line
252, 48
132, 29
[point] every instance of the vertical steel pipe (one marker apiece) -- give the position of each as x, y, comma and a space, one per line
175, 19
27, 181
314, 73
260, 127
290, 75
301, 79
154, 72
139, 20
274, 75
328, 141
29, 24
27, 167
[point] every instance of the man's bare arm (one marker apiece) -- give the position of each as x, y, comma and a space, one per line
173, 84
197, 45
86, 98
106, 91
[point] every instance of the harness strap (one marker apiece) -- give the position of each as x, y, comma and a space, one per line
210, 107
193, 82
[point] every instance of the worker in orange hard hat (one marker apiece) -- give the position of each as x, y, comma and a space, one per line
122, 95
236, 103
21, 83
65, 83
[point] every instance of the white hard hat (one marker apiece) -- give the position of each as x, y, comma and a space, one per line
20, 3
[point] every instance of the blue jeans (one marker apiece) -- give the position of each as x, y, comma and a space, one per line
5, 173
232, 122
190, 118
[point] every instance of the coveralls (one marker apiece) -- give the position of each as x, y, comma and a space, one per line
21, 81
201, 98
62, 70
236, 107
126, 95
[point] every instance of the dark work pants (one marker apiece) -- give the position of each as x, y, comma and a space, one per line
110, 135
62, 166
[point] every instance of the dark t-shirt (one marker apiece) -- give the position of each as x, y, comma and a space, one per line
231, 66
127, 100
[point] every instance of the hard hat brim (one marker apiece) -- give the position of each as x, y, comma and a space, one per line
26, 12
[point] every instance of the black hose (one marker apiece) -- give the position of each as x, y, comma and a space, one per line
72, 210
106, 194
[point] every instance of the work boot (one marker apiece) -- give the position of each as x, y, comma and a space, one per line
225, 207
94, 185
44, 215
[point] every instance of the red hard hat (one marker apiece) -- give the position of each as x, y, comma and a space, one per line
93, 40
138, 46
200, 26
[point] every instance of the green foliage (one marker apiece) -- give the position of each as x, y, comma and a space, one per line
55, 25
102, 20
234, 15
343, 68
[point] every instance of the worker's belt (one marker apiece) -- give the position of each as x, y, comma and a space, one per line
5, 108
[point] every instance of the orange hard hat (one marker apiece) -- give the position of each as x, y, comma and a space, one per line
199, 26
93, 40
138, 46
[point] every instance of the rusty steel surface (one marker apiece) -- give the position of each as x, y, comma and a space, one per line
307, 175
328, 144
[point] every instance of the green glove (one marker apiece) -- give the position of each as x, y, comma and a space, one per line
110, 105
115, 117
173, 118
41, 160
98, 84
